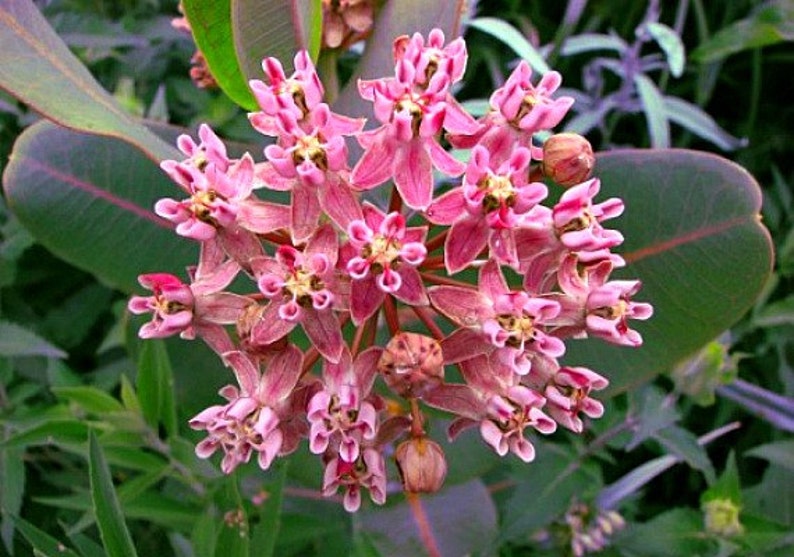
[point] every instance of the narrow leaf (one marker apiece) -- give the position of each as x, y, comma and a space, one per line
18, 341
91, 399
40, 540
38, 69
655, 115
588, 42
155, 385
263, 540
89, 200
779, 452
696, 120
115, 537
12, 489
51, 432
513, 38
671, 44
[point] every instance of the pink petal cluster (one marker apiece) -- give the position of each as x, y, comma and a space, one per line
513, 280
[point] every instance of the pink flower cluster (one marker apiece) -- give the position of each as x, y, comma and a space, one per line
342, 269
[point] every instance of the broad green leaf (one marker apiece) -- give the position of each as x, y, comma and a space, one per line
91, 399
684, 445
16, 340
512, 38
671, 44
395, 19
653, 107
694, 239
458, 520
89, 200
41, 540
155, 383
771, 23
696, 120
274, 28
38, 69
773, 498
211, 23
115, 537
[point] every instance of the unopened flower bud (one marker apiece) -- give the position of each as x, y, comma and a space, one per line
412, 364
568, 159
722, 517
422, 465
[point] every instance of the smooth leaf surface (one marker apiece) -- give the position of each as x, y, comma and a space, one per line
459, 520
155, 382
115, 537
41, 540
671, 44
89, 200
655, 115
277, 28
512, 38
18, 341
771, 23
694, 238
38, 69
211, 23
394, 19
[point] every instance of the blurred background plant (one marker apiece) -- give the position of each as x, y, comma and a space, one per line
698, 461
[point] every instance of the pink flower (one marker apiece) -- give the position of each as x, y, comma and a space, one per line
339, 414
511, 321
198, 309
381, 256
518, 111
486, 209
311, 160
413, 108
300, 287
297, 95
252, 420
568, 394
577, 221
609, 307
368, 471
345, 21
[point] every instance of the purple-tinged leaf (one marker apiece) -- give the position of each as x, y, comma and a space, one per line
37, 68
89, 200
695, 240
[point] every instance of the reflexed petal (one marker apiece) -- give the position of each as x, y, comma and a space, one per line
413, 175
305, 213
365, 299
411, 290
465, 306
324, 332
447, 208
465, 240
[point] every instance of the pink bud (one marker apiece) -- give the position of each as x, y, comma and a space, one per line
412, 364
422, 465
568, 159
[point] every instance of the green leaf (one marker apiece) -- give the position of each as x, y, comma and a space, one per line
779, 452
18, 341
514, 39
38, 69
655, 115
395, 19
696, 120
41, 540
155, 385
91, 399
771, 23
263, 539
58, 432
587, 42
277, 28
89, 200
233, 539
115, 537
684, 445
12, 489
211, 23
694, 239
675, 532
727, 485
776, 314
698, 377
671, 44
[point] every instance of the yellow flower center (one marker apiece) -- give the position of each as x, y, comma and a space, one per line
381, 251
521, 329
499, 190
309, 148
